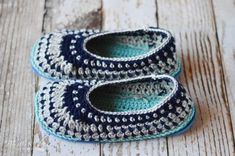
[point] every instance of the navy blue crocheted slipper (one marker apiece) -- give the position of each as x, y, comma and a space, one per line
89, 54
115, 111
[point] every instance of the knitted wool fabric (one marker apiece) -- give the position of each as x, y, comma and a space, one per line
114, 111
89, 54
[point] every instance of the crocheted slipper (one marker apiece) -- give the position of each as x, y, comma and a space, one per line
88, 54
114, 111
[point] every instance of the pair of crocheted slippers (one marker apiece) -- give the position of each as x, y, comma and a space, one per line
110, 86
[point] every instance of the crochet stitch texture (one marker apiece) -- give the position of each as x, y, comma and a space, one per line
133, 109
89, 54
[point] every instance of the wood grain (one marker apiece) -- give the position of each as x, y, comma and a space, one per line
72, 14
128, 14
193, 24
17, 83
204, 31
69, 14
225, 24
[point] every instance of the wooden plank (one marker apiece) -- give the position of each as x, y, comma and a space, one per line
17, 82
194, 27
131, 14
128, 14
225, 24
71, 14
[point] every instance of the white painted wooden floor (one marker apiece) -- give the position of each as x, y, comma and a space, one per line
204, 32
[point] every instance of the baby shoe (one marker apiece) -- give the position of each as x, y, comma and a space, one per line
114, 111
89, 54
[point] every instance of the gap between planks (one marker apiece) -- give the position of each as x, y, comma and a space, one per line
114, 19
